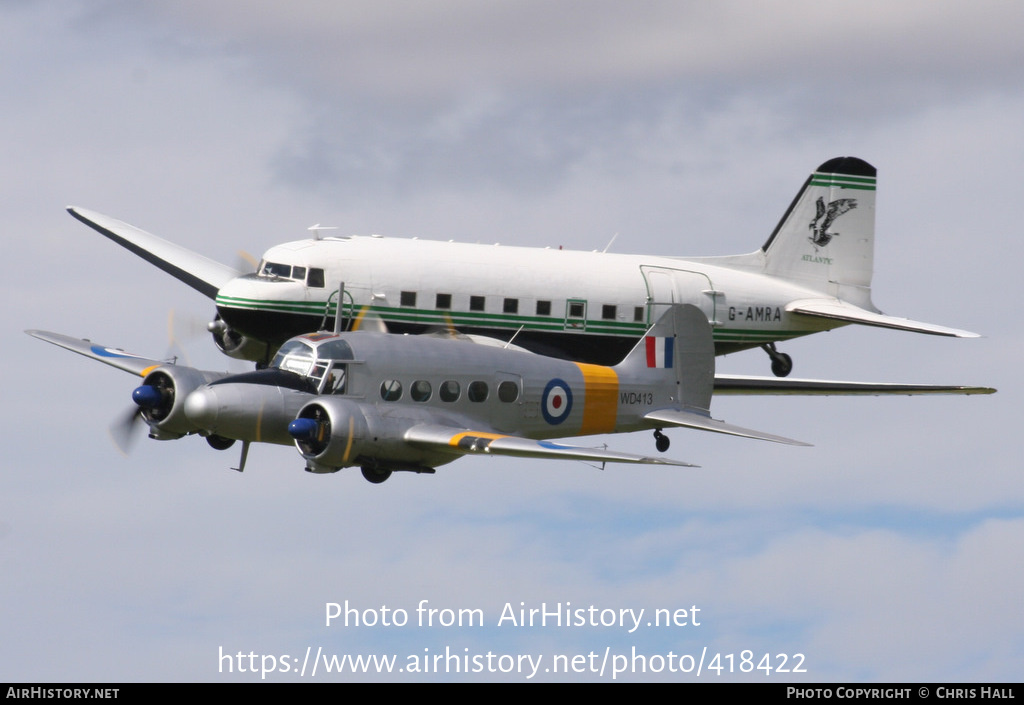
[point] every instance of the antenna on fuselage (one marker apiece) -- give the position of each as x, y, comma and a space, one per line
315, 229
337, 313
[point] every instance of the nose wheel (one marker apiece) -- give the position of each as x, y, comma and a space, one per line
661, 441
782, 364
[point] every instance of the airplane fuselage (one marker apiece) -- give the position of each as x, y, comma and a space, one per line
588, 306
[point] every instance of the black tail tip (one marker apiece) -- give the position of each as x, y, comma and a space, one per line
851, 166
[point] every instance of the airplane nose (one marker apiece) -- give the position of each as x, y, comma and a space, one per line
201, 407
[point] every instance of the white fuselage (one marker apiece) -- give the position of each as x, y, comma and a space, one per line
589, 306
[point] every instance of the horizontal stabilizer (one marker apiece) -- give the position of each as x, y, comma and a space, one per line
466, 442
201, 273
108, 356
689, 419
841, 311
741, 384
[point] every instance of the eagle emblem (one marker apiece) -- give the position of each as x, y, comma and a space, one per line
825, 216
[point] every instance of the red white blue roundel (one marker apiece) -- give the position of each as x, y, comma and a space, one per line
556, 403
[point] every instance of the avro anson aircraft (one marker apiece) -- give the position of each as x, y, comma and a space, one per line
386, 402
812, 274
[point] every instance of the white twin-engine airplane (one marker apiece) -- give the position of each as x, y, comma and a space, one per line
812, 274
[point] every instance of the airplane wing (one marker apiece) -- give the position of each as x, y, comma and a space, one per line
746, 385
201, 273
838, 310
109, 356
700, 422
467, 442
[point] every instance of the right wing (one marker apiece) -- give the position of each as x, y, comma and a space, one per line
742, 384
201, 273
466, 442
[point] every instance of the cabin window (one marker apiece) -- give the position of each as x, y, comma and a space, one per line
449, 390
443, 301
315, 278
508, 391
391, 390
543, 308
477, 391
576, 309
511, 306
638, 313
608, 312
420, 390
407, 298
476, 303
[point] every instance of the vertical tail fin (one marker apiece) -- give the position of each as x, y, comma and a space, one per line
677, 350
826, 239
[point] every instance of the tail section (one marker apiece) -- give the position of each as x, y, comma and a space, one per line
678, 351
826, 239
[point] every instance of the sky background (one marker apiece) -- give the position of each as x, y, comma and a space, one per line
889, 551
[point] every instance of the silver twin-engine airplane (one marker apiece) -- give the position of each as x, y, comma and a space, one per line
386, 402
812, 274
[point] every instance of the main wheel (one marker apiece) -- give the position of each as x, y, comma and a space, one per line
782, 365
375, 475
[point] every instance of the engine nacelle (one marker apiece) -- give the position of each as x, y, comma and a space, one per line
330, 434
234, 344
161, 400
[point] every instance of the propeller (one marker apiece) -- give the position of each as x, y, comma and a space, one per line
154, 400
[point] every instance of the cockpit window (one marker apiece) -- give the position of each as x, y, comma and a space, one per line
276, 269
294, 356
335, 350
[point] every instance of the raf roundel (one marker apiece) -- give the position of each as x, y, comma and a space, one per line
556, 402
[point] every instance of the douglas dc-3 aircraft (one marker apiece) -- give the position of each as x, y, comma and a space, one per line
387, 402
812, 274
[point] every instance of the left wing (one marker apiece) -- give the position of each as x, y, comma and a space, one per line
109, 356
746, 385
467, 442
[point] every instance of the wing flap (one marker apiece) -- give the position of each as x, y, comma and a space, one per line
109, 356
201, 273
466, 442
838, 310
700, 422
747, 385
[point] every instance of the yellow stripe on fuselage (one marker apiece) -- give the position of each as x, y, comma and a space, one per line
600, 398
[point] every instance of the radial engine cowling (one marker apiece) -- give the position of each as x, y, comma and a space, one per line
161, 400
234, 344
330, 434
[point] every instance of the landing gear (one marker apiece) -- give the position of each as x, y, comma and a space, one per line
375, 475
220, 442
782, 364
661, 441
